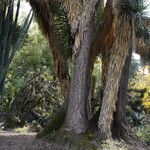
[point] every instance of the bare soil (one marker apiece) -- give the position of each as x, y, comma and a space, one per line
22, 141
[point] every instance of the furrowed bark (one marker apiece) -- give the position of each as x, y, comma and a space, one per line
94, 51
77, 119
102, 45
117, 60
74, 10
105, 66
120, 114
124, 80
121, 128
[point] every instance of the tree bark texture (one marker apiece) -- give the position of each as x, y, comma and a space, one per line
121, 127
74, 11
124, 80
117, 60
120, 114
77, 119
105, 66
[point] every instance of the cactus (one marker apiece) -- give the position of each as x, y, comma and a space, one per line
11, 36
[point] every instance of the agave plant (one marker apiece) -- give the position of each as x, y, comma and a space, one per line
11, 35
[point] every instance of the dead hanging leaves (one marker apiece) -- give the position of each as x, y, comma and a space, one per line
74, 8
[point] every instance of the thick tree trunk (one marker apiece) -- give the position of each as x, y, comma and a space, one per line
120, 114
77, 115
61, 69
77, 119
117, 60
105, 66
121, 127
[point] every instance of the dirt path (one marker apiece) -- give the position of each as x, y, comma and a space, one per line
24, 141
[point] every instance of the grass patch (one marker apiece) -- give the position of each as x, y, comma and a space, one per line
113, 145
71, 141
21, 130
143, 132
34, 127
88, 141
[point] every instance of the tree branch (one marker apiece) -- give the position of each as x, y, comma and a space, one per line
46, 23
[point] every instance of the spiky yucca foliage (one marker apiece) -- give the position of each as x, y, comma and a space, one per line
143, 40
11, 35
53, 22
60, 19
134, 9
130, 8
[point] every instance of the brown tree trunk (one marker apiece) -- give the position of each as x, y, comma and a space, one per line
77, 119
120, 114
117, 60
105, 66
61, 69
77, 112
121, 127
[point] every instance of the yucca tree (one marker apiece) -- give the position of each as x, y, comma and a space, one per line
89, 34
74, 24
142, 48
47, 21
11, 36
117, 59
120, 60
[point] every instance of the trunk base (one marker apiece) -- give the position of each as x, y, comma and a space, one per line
54, 124
124, 132
70, 141
88, 141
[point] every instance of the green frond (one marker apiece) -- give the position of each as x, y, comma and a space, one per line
143, 40
11, 35
52, 20
99, 13
129, 9
63, 34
